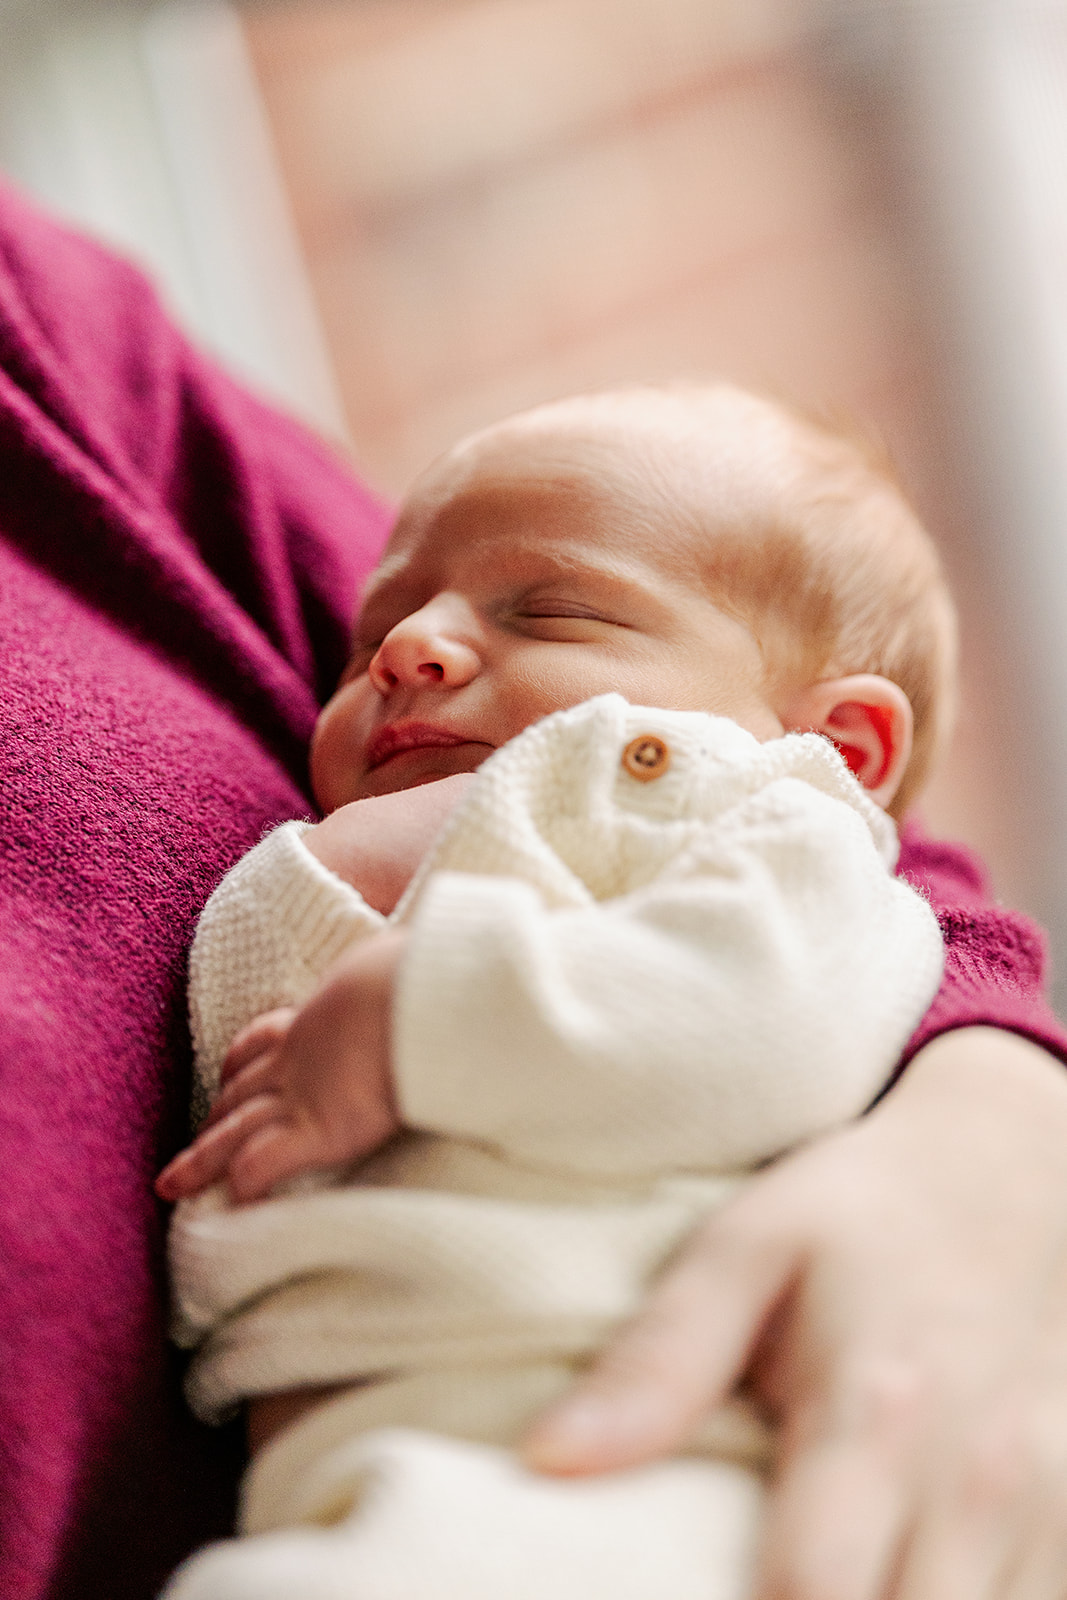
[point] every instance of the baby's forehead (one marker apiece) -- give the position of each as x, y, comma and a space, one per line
719, 448
532, 471
571, 505
661, 476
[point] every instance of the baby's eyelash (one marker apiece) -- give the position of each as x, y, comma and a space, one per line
559, 608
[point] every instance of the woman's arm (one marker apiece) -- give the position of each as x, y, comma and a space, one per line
896, 1296
179, 567
995, 959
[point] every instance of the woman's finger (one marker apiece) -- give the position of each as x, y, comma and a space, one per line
840, 1508
967, 1529
1038, 1569
682, 1355
995, 1523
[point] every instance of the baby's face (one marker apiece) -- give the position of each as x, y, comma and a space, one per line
530, 570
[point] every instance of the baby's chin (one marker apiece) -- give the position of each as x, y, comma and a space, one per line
410, 769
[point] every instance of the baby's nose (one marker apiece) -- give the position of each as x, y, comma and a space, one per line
421, 651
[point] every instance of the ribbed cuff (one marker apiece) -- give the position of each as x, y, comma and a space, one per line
320, 912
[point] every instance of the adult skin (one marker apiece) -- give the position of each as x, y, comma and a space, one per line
896, 1296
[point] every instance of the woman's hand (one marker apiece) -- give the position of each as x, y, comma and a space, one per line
302, 1090
896, 1297
376, 844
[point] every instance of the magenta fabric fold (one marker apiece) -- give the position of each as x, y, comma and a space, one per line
178, 566
996, 960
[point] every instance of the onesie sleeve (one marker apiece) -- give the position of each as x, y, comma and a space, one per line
272, 928
755, 988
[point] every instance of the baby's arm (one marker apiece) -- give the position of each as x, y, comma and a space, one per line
269, 934
275, 924
756, 990
376, 844
755, 993
288, 910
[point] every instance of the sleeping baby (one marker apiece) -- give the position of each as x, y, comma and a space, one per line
601, 917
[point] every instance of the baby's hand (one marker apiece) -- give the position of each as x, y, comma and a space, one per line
301, 1090
376, 844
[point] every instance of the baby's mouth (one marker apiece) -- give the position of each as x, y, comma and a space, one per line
397, 737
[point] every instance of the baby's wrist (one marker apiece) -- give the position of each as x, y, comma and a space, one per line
346, 843
376, 844
324, 845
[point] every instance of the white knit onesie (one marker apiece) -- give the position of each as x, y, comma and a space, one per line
647, 953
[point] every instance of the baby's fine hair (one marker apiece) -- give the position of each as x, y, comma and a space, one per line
811, 542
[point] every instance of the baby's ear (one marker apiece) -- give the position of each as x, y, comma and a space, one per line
869, 720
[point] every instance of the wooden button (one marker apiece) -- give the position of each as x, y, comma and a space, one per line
646, 757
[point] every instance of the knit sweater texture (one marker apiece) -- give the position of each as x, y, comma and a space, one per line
626, 984
179, 566
617, 994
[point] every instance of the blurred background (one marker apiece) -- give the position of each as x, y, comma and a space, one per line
404, 218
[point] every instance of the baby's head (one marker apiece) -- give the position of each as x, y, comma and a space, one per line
692, 547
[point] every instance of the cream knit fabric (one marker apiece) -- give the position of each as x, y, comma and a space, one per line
425, 1517
619, 996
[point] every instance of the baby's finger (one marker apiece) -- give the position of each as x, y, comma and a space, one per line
277, 1151
263, 1033
260, 1076
658, 1377
208, 1157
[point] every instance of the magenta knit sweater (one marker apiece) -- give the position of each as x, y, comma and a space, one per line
178, 565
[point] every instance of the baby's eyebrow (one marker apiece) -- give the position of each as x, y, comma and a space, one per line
609, 573
386, 570
541, 562
382, 589
525, 566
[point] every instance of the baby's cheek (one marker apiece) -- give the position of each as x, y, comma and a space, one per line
336, 760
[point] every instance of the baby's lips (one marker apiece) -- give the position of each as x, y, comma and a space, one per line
396, 737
